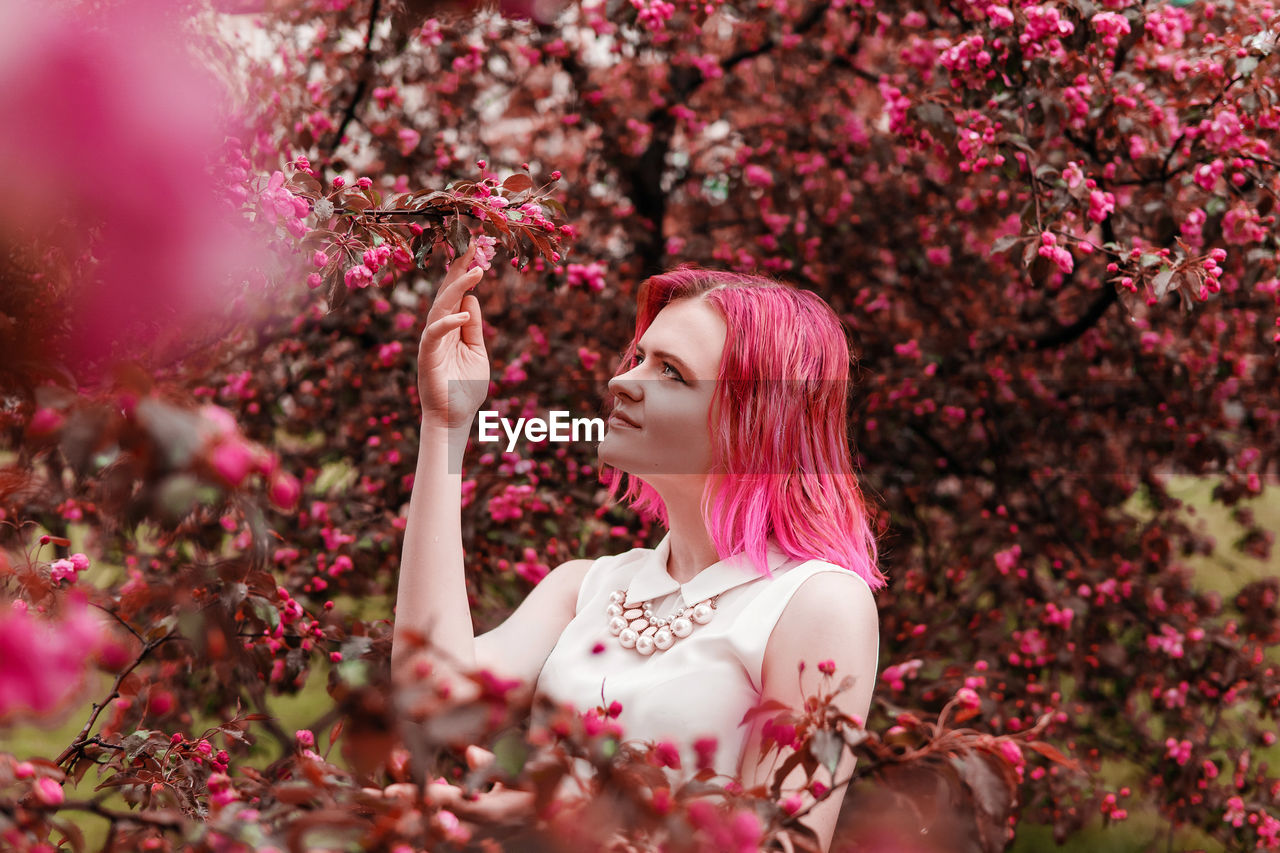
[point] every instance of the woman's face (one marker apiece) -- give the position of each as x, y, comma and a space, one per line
659, 424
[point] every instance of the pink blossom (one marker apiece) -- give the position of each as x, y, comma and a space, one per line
44, 422
232, 460
1269, 830
1235, 813
1059, 255
486, 248
1008, 558
1101, 205
305, 738
999, 17
44, 660
705, 751
895, 676
590, 275
1169, 641
358, 276
409, 139
221, 791
142, 118
285, 490
757, 176
48, 791
1179, 751
1111, 26
61, 570
1073, 175
665, 754
1013, 754
968, 698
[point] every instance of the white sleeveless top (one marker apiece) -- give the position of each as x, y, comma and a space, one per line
703, 684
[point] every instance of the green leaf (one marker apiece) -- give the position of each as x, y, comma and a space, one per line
354, 672
827, 746
510, 752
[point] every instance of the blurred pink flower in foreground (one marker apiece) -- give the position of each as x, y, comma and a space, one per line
111, 146
44, 661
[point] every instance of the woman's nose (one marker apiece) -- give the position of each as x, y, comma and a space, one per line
627, 385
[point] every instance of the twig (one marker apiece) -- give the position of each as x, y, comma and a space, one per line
77, 747
119, 619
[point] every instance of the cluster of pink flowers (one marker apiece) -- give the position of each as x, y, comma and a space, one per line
1044, 32
1178, 750
733, 832
1192, 228
1223, 130
409, 140
1111, 26
280, 206
1101, 205
1077, 98
231, 456
653, 14
389, 353
1109, 808
1169, 641
486, 248
896, 106
1060, 616
1050, 249
1242, 224
531, 568
65, 570
1206, 175
968, 54
586, 275
508, 506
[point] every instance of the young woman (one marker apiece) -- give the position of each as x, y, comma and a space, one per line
728, 423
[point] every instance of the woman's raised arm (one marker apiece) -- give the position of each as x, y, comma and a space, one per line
431, 598
453, 378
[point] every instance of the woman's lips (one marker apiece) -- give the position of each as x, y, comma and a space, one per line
617, 419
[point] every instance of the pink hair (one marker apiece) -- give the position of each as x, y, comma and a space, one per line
780, 445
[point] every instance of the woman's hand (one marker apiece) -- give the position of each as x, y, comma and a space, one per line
499, 805
453, 366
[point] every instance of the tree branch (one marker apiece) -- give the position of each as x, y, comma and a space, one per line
362, 84
77, 747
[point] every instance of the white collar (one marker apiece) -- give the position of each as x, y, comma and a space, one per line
653, 581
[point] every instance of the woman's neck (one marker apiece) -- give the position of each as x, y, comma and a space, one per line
692, 549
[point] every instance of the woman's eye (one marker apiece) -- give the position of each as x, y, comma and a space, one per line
667, 368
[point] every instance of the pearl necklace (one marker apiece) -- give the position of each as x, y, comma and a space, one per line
637, 628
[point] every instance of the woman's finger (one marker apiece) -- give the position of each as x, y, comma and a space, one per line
478, 757
449, 298
437, 330
473, 328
